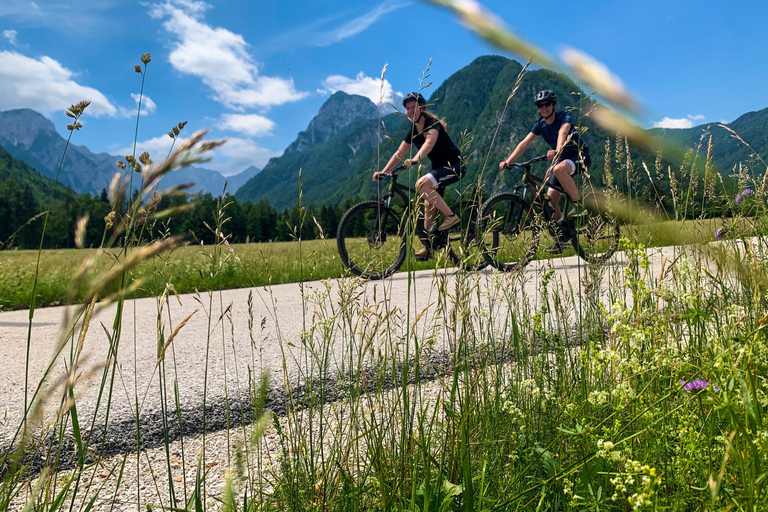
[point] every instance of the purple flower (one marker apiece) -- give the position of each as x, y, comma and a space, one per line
742, 195
694, 385
722, 233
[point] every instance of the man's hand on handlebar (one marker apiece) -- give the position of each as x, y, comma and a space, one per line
410, 162
551, 154
502, 165
380, 175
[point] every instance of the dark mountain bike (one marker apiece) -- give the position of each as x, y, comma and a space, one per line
513, 225
374, 236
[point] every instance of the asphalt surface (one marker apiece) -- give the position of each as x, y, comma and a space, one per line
233, 335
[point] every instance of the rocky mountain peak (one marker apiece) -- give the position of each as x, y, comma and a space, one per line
20, 127
337, 112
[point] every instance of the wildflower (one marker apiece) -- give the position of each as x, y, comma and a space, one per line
746, 192
694, 385
722, 233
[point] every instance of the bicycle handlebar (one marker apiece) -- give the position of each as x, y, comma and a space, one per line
392, 173
515, 165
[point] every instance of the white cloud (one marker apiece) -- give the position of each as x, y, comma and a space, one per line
147, 105
318, 33
229, 159
81, 17
370, 87
10, 35
157, 147
219, 58
238, 154
668, 122
46, 86
249, 124
684, 122
355, 26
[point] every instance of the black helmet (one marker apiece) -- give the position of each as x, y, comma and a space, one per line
545, 95
414, 96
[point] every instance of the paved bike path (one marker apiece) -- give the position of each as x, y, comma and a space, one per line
216, 351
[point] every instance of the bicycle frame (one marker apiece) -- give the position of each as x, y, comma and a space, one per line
532, 191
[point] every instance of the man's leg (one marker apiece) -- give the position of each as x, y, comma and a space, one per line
554, 197
563, 172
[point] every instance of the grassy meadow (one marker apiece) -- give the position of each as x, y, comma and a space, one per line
188, 268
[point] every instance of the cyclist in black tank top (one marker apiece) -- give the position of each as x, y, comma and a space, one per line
431, 139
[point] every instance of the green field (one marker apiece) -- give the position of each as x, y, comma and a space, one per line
187, 269
190, 268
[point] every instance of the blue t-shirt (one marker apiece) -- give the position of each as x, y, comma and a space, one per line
549, 133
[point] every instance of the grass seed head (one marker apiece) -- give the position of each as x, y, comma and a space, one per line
146, 58
76, 110
137, 68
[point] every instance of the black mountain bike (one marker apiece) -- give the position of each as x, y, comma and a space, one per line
513, 225
374, 236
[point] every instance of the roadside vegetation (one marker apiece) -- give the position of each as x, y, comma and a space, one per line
639, 386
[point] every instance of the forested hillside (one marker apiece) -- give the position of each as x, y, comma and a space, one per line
472, 103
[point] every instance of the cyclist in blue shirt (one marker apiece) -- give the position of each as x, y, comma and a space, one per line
431, 138
571, 152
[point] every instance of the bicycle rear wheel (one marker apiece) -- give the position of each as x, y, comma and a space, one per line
507, 232
370, 240
464, 248
596, 235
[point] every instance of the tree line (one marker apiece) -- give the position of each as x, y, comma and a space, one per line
22, 217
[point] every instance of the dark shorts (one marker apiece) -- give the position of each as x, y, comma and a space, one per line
577, 167
446, 175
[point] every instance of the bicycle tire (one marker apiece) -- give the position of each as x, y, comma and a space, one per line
506, 232
596, 235
464, 250
370, 240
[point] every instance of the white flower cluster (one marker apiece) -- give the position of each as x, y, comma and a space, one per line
516, 416
641, 480
606, 451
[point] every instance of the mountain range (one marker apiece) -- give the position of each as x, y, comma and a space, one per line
333, 159
338, 152
32, 138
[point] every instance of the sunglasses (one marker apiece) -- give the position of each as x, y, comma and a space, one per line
545, 104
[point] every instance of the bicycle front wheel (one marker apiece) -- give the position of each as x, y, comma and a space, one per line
370, 240
596, 234
506, 232
465, 250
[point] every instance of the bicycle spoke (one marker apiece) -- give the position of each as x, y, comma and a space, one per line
506, 232
370, 241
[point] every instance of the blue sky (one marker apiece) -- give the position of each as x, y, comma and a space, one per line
256, 73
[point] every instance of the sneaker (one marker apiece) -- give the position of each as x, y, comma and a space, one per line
449, 222
577, 210
556, 248
422, 255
